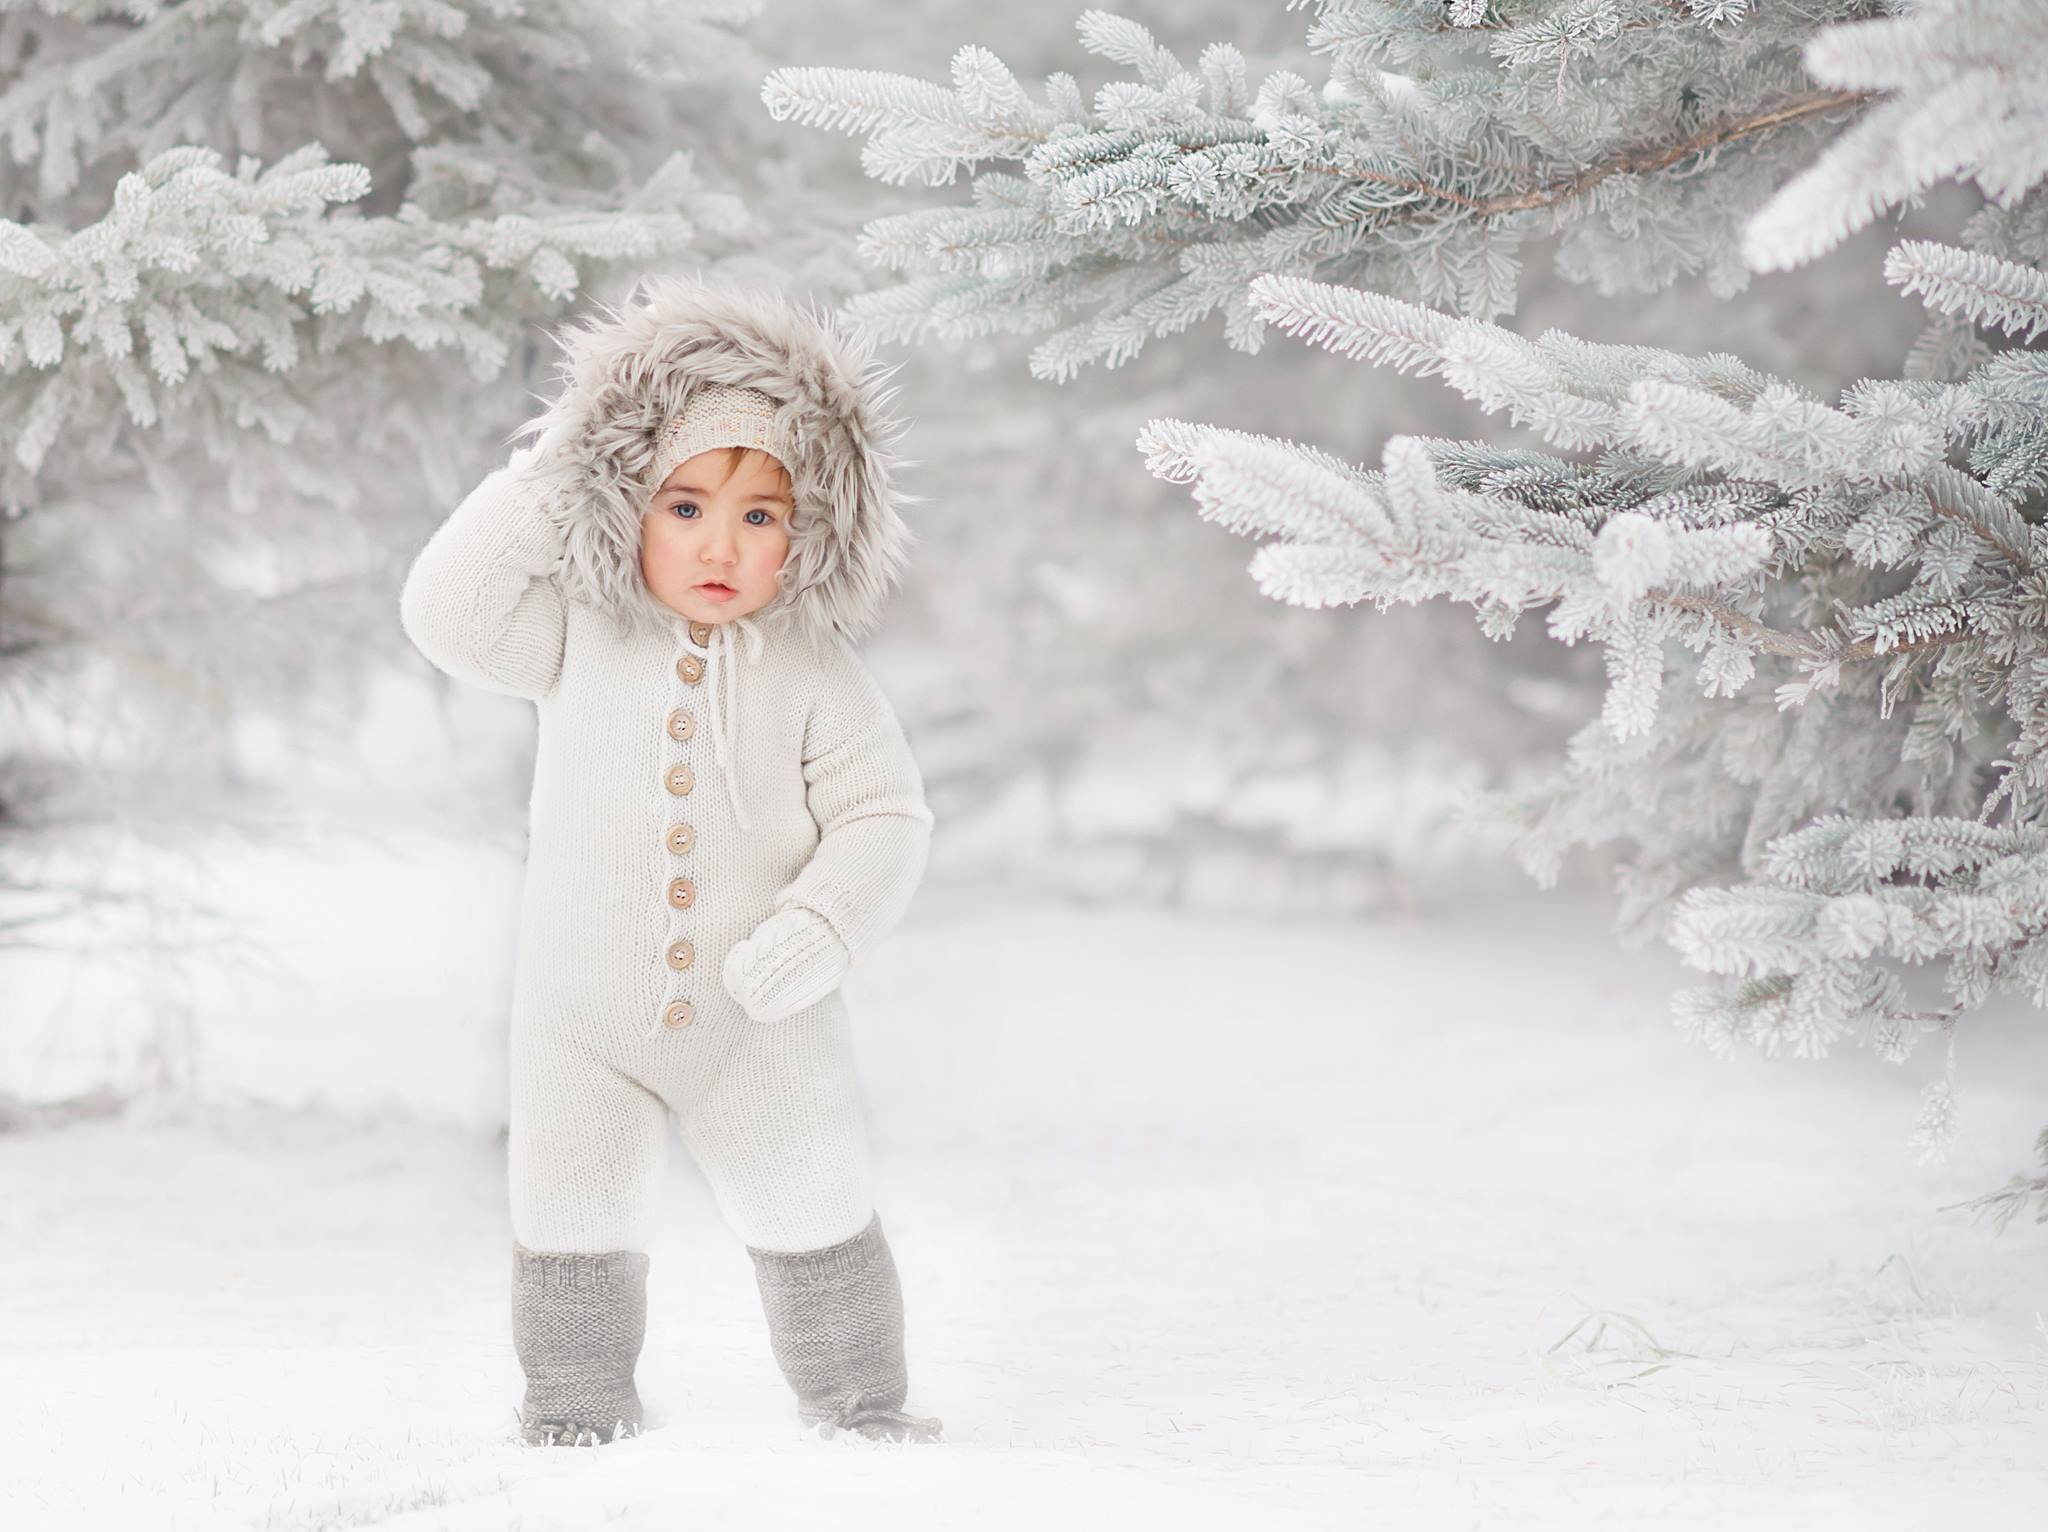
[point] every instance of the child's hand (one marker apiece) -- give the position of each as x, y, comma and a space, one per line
792, 959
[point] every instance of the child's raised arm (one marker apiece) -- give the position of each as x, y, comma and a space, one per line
866, 793
480, 601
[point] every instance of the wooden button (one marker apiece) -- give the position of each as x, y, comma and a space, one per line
681, 952
682, 893
679, 1013
690, 668
700, 632
680, 724
681, 837
679, 779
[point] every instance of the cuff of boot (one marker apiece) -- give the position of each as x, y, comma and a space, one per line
549, 1271
802, 1268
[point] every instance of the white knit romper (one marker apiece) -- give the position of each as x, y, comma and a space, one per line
649, 857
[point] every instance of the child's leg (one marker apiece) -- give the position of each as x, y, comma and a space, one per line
577, 1324
835, 1321
780, 1138
586, 1155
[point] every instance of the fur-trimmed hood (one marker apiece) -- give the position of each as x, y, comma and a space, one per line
626, 376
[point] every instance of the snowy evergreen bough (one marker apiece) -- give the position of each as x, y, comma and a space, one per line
1442, 140
1845, 780
181, 308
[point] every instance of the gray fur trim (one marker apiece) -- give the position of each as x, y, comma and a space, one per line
626, 376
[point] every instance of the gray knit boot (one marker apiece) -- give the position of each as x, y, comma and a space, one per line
835, 1320
577, 1324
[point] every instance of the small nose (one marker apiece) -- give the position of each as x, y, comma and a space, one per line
718, 546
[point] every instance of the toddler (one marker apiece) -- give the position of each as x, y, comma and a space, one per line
725, 815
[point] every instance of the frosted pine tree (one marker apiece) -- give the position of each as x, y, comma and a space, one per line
1844, 781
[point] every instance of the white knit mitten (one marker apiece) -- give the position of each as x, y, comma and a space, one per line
793, 959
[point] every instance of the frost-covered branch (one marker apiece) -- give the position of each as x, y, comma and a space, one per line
123, 82
2004, 295
1417, 168
194, 270
1969, 83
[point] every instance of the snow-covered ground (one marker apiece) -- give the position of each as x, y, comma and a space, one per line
1204, 1222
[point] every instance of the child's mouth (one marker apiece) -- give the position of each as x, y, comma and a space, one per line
716, 591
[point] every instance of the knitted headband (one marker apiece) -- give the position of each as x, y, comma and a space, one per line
720, 415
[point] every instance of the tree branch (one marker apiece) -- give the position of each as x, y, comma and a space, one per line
1796, 646
1640, 162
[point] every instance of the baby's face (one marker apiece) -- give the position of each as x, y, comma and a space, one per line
710, 545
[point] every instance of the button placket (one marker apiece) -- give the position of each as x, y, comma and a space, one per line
679, 892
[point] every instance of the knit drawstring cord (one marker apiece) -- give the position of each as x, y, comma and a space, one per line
725, 681
858, 1410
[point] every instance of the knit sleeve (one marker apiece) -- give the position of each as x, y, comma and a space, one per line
480, 600
867, 796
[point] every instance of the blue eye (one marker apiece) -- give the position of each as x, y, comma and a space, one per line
687, 509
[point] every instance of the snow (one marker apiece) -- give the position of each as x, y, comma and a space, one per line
1205, 1221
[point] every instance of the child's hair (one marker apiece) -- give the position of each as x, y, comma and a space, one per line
732, 457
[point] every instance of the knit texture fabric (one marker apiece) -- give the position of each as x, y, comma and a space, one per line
720, 415
835, 1321
577, 1323
642, 876
795, 959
